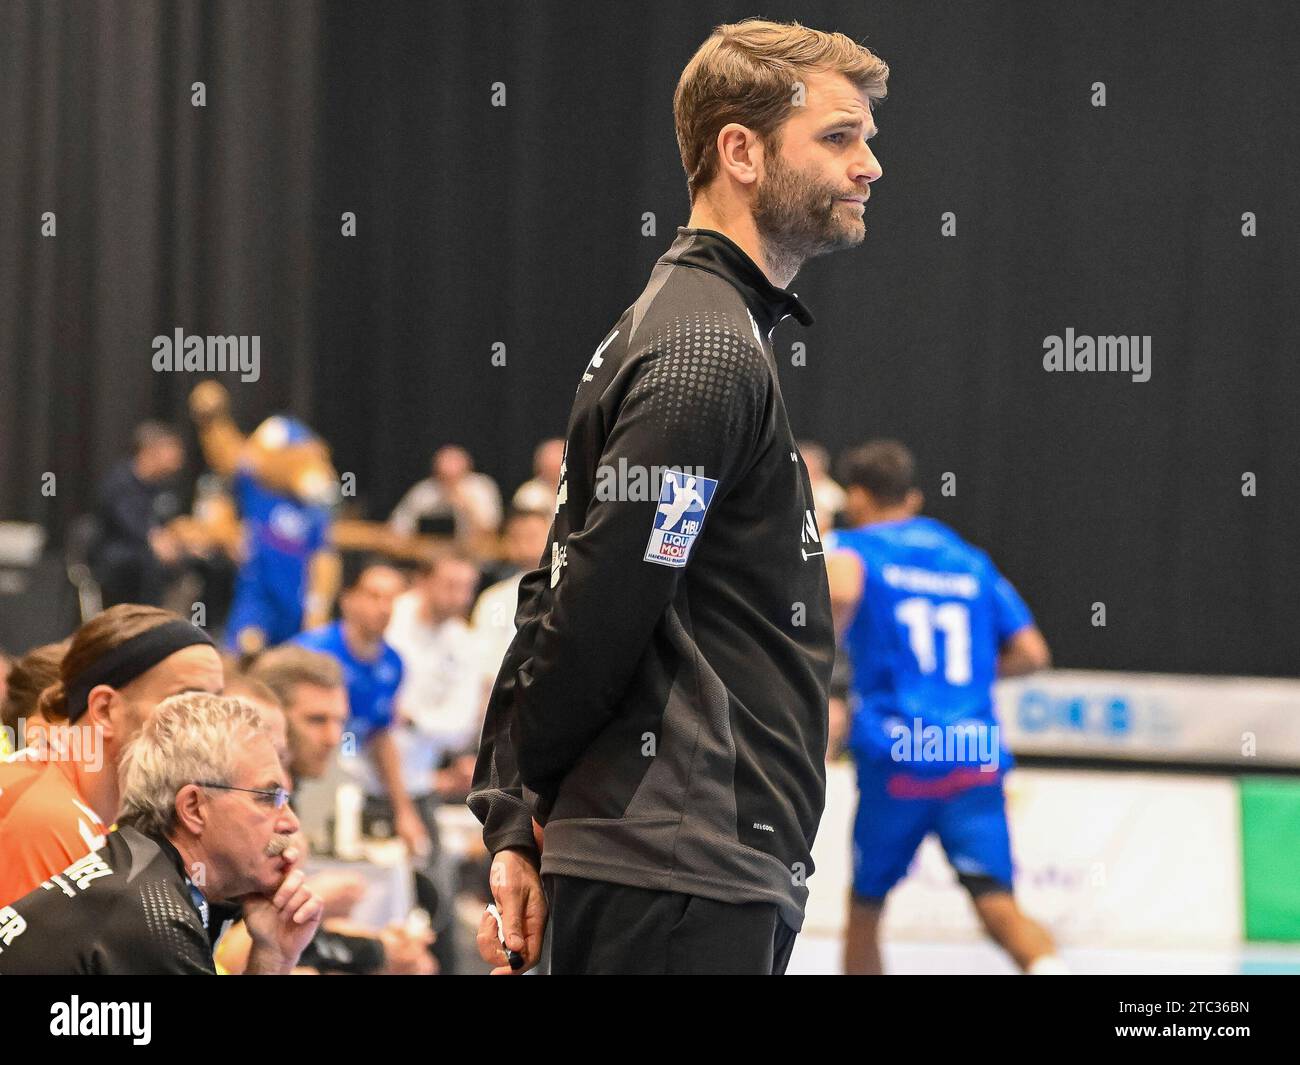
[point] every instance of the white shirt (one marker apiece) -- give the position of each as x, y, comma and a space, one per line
479, 508
535, 495
493, 622
440, 703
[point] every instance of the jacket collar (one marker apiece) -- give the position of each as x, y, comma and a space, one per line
707, 249
197, 897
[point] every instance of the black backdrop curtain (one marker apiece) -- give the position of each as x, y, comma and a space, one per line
522, 225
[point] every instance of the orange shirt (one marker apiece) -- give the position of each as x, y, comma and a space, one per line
45, 825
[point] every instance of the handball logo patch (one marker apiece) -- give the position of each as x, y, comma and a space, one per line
683, 502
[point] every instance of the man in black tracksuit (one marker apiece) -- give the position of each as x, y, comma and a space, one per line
662, 708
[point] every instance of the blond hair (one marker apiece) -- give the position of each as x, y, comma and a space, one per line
747, 72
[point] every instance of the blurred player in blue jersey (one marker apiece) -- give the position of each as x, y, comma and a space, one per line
929, 623
372, 672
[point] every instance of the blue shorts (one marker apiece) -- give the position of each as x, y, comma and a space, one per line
896, 811
253, 611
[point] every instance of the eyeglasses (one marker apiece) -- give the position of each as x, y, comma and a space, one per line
279, 797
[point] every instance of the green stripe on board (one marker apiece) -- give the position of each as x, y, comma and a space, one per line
1270, 844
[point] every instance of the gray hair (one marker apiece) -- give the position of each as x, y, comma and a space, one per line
191, 737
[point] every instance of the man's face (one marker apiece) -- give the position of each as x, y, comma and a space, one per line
191, 669
526, 539
369, 605
240, 826
317, 717
812, 194
449, 589
450, 464
549, 458
163, 459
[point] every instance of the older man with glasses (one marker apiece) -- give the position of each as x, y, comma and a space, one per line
205, 815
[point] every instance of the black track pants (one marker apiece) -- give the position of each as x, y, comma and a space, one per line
601, 928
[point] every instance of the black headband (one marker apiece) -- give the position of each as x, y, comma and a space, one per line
131, 658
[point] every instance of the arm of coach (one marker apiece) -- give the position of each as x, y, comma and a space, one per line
597, 620
496, 794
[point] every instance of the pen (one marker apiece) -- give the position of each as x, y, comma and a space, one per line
515, 959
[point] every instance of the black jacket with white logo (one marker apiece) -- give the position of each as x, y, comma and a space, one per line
662, 708
129, 909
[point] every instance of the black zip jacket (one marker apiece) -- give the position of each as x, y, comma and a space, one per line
662, 708
125, 910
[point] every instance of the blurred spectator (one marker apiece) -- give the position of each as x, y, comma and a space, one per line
454, 501
257, 694
372, 672
494, 614
309, 686
29, 676
828, 497
440, 713
539, 493
136, 557
440, 701
119, 665
213, 537
204, 817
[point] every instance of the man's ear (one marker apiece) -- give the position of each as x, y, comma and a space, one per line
915, 500
740, 152
190, 811
99, 705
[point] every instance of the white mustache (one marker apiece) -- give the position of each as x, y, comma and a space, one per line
277, 846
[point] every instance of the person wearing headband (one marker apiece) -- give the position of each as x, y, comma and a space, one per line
204, 816
56, 804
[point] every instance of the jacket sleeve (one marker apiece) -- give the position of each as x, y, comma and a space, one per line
496, 794
684, 407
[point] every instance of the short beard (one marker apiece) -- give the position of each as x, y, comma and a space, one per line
795, 217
